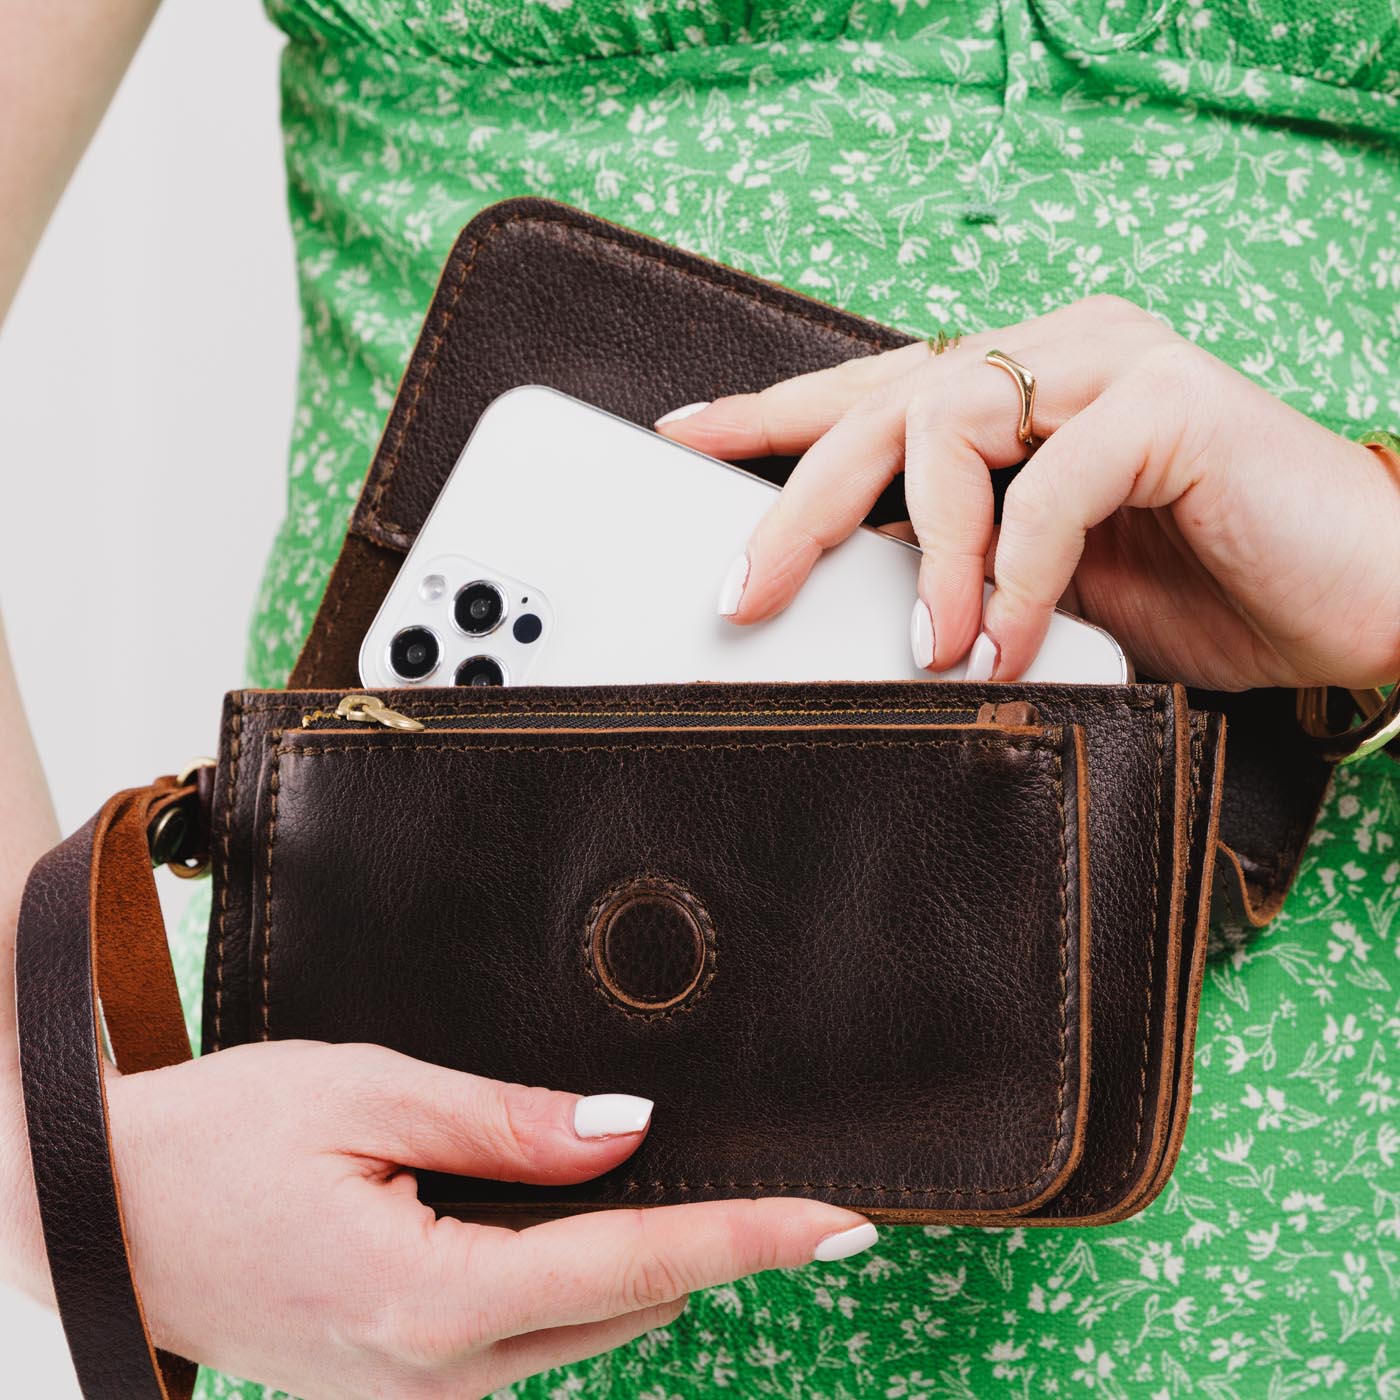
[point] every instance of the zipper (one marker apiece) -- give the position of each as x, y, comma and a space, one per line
371, 712
365, 709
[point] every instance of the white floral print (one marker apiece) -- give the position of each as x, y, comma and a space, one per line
1234, 166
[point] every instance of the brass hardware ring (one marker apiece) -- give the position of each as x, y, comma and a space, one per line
1378, 730
170, 829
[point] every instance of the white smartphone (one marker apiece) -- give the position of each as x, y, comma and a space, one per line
571, 547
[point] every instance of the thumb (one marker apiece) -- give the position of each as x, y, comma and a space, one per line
415, 1114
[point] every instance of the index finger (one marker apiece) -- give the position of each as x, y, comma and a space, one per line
788, 417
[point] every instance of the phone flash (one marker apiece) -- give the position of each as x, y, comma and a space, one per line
432, 588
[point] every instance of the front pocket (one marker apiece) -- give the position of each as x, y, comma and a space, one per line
863, 946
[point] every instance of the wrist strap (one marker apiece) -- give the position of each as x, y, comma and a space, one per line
91, 943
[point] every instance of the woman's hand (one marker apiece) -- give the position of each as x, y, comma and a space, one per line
1223, 538
276, 1233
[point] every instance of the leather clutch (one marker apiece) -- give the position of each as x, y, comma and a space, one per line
932, 951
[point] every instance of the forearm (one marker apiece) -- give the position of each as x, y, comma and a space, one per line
27, 829
60, 62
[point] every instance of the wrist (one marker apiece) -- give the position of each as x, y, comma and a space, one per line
1384, 448
1359, 520
23, 1263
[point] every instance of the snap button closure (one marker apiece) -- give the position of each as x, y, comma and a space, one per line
650, 944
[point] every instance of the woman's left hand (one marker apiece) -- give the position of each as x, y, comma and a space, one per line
1224, 538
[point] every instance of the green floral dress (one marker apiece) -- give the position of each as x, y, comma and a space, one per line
1233, 165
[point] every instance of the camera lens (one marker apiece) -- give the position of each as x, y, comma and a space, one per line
481, 670
414, 653
479, 608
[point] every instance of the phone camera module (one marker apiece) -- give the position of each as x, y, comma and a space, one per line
481, 670
527, 628
479, 608
414, 653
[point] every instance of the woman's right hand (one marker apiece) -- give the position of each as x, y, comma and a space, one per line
276, 1232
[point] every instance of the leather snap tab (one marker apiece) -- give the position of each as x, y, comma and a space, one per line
650, 945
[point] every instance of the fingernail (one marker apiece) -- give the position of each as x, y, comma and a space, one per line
731, 591
611, 1115
676, 414
982, 659
921, 634
847, 1243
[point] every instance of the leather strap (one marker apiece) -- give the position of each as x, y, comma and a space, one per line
91, 947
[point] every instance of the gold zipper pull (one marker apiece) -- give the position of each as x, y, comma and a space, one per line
370, 709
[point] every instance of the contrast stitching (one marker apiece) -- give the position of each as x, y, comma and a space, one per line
694, 906
674, 714
449, 313
273, 785
1141, 1119
632, 1184
1064, 958
1089, 1197
327, 629
418, 746
235, 730
975, 698
1198, 744
1003, 744
276, 700
602, 235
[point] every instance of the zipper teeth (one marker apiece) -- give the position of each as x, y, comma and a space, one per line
317, 719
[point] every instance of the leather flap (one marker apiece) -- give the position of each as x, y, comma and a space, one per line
536, 292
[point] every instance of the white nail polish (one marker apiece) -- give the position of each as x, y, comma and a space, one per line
611, 1115
982, 659
847, 1243
731, 591
921, 634
676, 414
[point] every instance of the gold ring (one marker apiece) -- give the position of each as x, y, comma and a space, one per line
1025, 382
937, 344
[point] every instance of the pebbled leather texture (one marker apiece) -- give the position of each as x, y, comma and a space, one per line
91, 904
892, 1018
1149, 802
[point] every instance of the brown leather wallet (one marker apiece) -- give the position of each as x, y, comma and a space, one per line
932, 951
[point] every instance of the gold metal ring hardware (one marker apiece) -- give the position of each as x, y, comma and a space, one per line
193, 767
168, 831
1379, 727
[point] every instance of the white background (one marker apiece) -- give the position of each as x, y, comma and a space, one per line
146, 379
